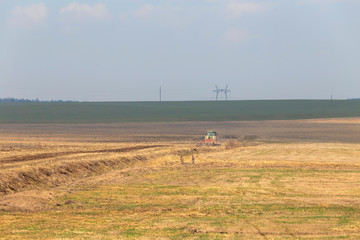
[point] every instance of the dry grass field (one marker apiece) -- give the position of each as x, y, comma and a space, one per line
295, 179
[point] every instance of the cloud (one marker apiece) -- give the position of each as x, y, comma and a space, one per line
144, 11
28, 17
165, 15
235, 35
85, 12
236, 9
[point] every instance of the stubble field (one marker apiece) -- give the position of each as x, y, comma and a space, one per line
297, 179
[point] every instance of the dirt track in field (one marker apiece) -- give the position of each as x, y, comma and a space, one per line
58, 154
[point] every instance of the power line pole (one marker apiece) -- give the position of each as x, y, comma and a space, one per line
160, 93
221, 91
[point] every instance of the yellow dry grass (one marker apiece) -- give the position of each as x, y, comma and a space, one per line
241, 190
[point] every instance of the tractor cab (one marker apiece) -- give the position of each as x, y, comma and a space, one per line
210, 139
210, 135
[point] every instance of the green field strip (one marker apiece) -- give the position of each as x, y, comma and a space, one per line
118, 112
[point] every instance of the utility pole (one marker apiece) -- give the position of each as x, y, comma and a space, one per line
160, 93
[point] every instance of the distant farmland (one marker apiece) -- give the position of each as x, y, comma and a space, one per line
117, 112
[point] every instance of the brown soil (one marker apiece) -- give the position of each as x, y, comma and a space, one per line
58, 154
329, 130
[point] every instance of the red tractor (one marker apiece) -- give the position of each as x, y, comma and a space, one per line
210, 139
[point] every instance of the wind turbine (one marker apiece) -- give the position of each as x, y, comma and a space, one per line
226, 90
217, 90
221, 90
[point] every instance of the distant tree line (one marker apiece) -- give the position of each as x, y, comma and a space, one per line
23, 100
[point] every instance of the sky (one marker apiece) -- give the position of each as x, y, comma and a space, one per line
124, 50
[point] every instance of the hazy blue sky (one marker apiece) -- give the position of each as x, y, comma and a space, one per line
123, 50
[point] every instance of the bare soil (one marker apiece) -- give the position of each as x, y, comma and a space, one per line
59, 154
329, 130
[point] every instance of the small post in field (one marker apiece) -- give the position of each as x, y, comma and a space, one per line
182, 160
